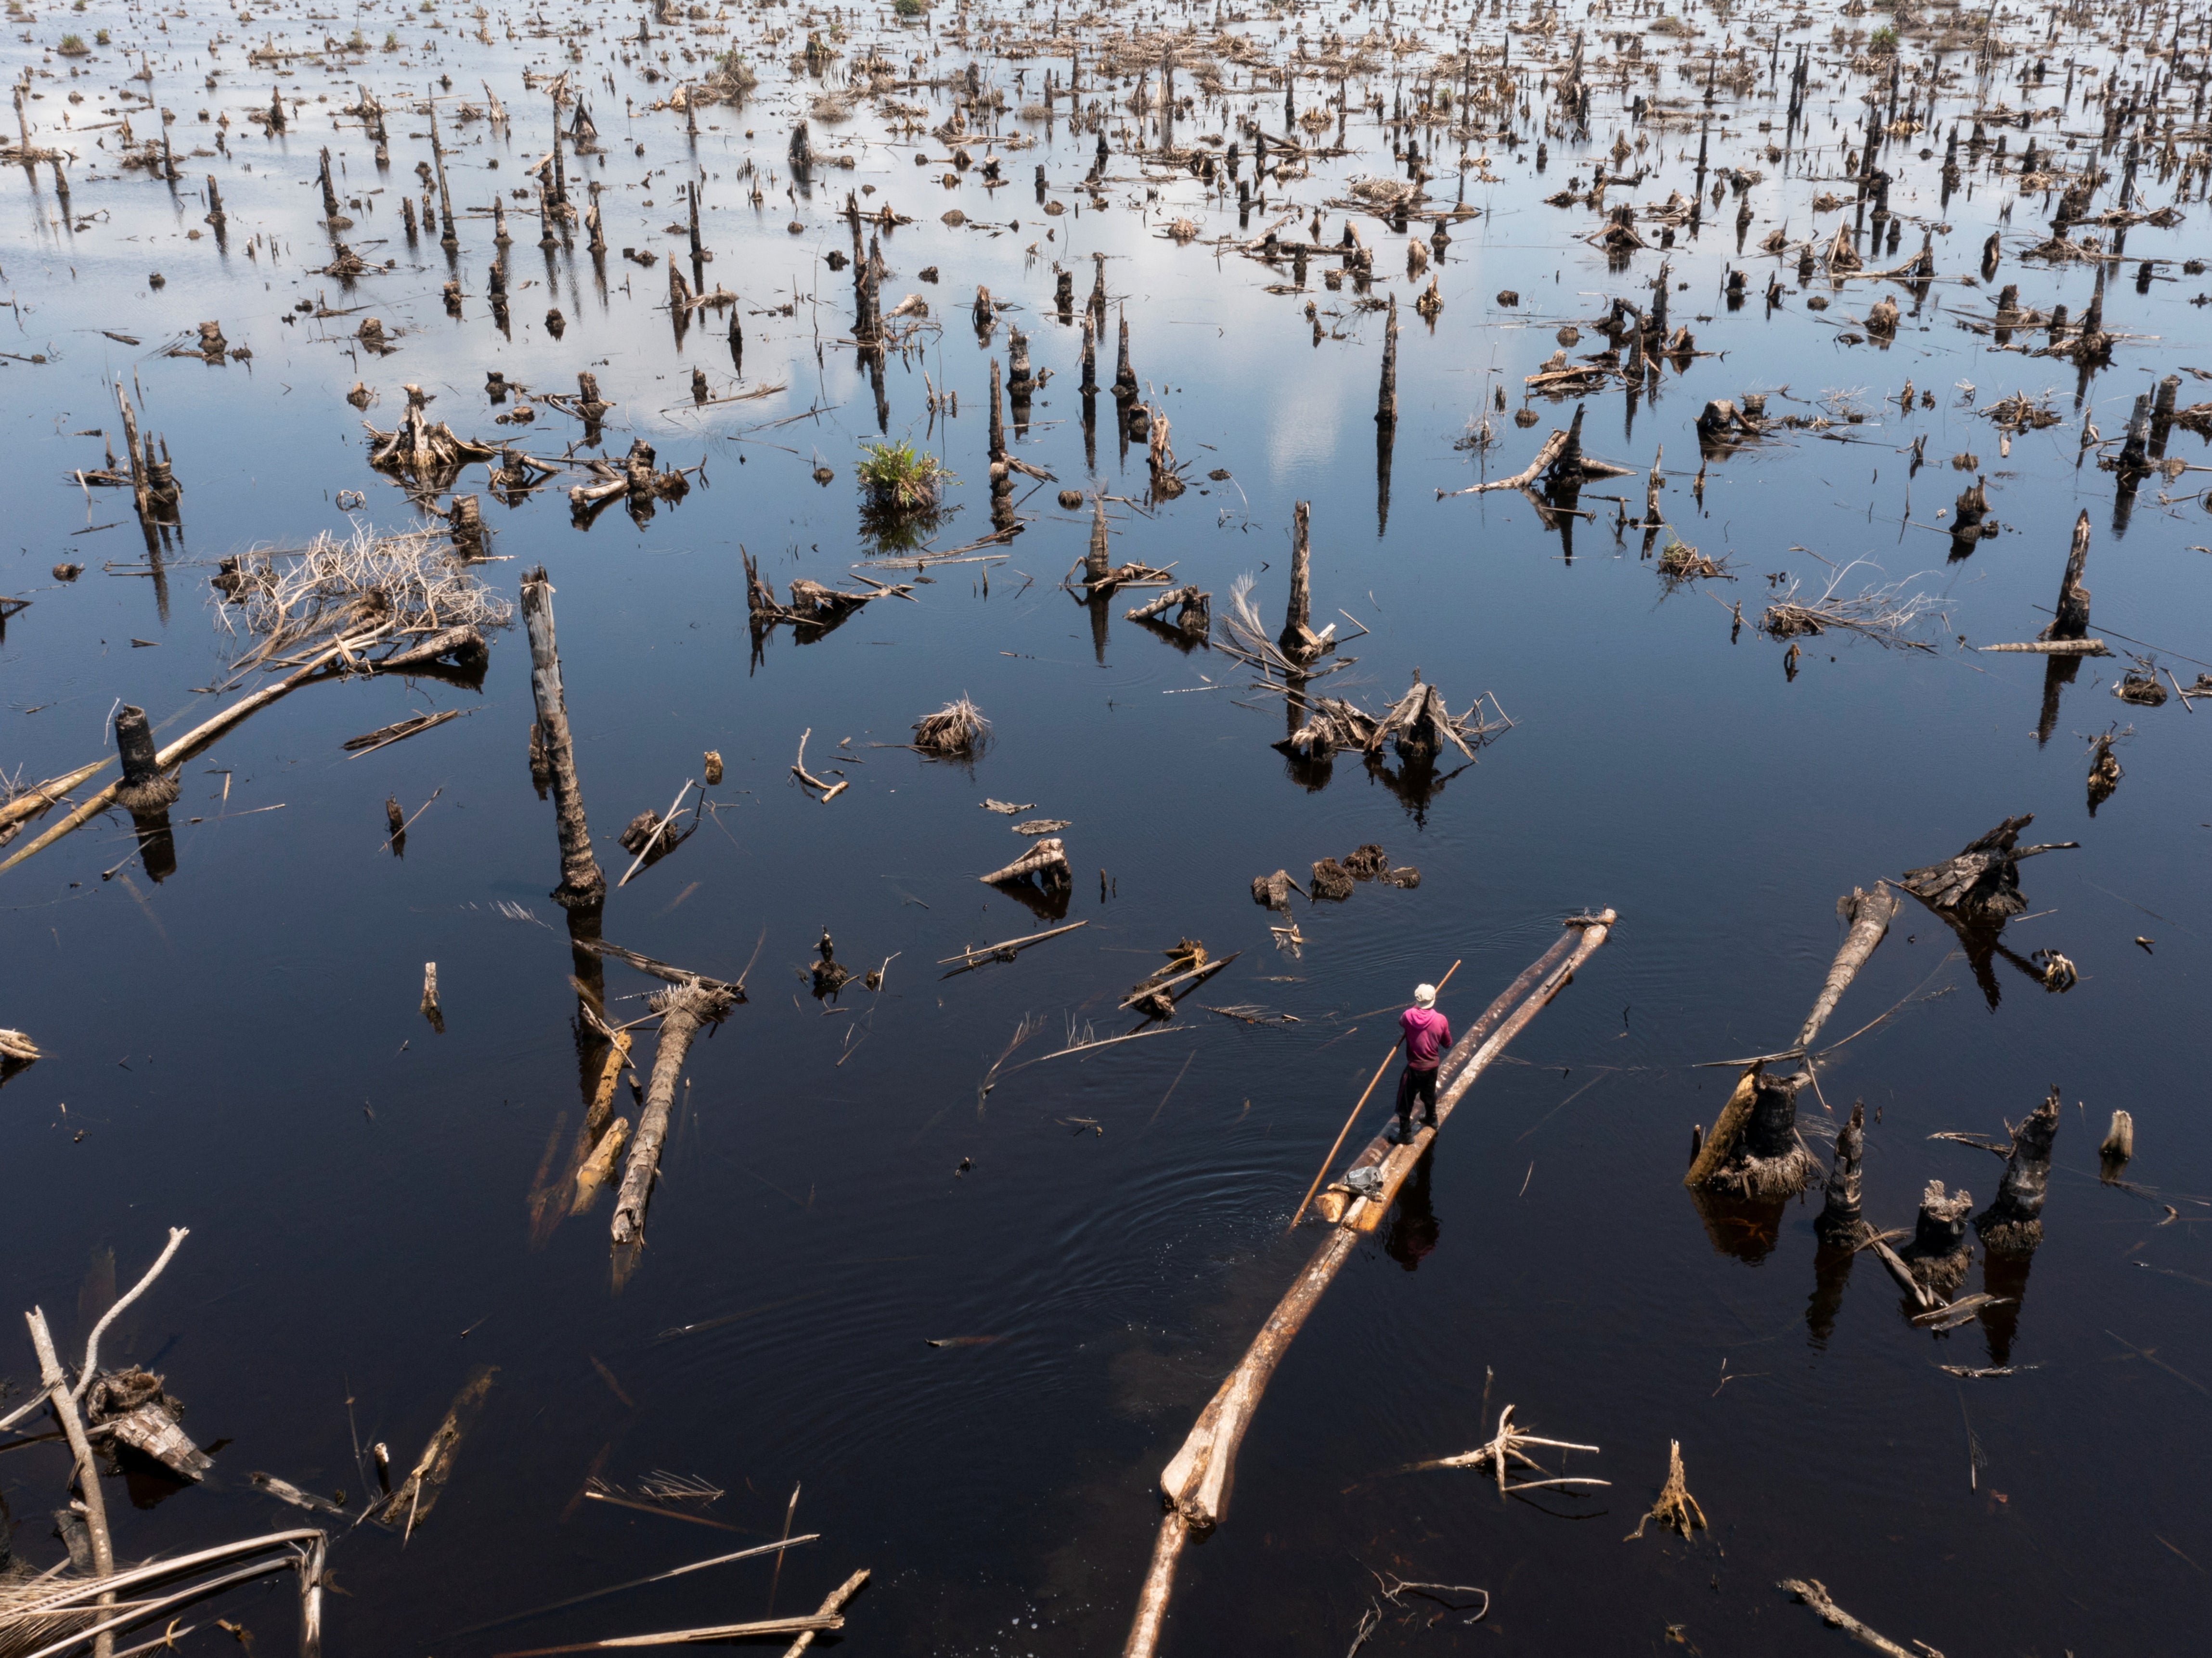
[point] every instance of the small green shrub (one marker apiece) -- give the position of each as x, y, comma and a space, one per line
899, 479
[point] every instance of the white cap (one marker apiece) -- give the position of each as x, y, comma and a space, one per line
1425, 995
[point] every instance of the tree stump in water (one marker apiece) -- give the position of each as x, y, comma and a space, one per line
1330, 881
144, 787
2013, 1224
1767, 1159
1366, 863
1938, 1254
1273, 891
1841, 1224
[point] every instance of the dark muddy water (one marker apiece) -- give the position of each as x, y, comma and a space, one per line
237, 1048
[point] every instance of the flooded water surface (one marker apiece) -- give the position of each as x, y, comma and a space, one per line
932, 1274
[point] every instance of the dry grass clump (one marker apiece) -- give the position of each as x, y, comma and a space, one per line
334, 586
957, 728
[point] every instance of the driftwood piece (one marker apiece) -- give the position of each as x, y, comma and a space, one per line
417, 1494
1675, 1508
1006, 950
808, 779
1503, 1452
1197, 1480
1811, 1591
592, 1173
2013, 1224
1047, 859
684, 1010
1982, 882
833, 1604
1867, 916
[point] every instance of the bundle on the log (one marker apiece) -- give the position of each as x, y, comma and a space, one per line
1197, 1482
2013, 1224
1195, 616
1046, 860
958, 727
1982, 882
1841, 1225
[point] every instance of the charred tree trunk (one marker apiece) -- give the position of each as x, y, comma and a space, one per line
1937, 1256
1841, 1224
581, 883
1298, 641
2013, 1225
2070, 617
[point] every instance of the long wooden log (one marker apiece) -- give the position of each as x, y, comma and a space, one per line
1869, 914
682, 1010
1196, 1482
2055, 647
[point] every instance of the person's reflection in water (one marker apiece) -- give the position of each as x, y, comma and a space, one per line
1413, 1225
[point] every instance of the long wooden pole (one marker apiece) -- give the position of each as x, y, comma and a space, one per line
1322, 1173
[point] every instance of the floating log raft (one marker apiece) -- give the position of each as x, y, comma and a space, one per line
1197, 1480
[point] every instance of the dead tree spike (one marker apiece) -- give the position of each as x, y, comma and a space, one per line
581, 883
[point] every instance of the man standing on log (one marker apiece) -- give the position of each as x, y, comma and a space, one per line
1428, 1038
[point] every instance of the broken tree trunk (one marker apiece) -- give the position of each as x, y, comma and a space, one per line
1868, 916
1047, 859
2070, 617
684, 1009
1196, 1482
1298, 641
1936, 1257
145, 787
1754, 1151
2013, 1225
581, 883
1841, 1224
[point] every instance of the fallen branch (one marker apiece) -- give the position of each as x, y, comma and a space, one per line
1812, 1593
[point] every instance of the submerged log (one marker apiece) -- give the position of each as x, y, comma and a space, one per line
2013, 1224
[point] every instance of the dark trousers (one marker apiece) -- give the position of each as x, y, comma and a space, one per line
1416, 1086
